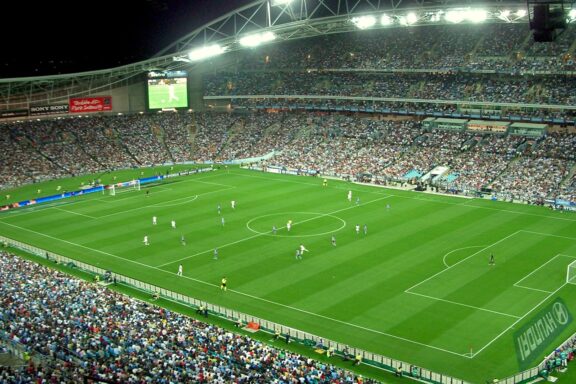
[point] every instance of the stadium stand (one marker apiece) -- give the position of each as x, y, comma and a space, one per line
81, 331
513, 166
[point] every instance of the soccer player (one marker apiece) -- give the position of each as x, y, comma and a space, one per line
222, 221
274, 229
171, 92
219, 208
182, 240
233, 204
146, 240
492, 261
223, 283
179, 270
333, 240
357, 229
215, 254
350, 196
298, 254
365, 229
357, 200
154, 221
388, 206
303, 249
289, 225
325, 182
173, 223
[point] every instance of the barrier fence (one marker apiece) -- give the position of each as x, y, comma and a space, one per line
306, 338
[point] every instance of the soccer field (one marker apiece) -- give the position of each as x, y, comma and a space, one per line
416, 287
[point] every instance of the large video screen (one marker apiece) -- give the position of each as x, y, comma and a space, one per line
167, 89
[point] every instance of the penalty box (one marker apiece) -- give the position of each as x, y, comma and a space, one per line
519, 280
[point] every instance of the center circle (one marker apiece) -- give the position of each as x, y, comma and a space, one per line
303, 224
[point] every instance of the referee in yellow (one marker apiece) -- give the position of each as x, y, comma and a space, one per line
223, 283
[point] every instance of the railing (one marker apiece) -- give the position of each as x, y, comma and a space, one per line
368, 358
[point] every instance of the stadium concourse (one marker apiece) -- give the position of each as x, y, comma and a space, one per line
87, 333
514, 167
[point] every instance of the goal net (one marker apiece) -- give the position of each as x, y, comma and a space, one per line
127, 186
571, 273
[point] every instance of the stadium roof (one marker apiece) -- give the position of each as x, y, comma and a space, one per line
282, 19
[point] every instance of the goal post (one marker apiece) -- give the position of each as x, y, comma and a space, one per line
127, 186
571, 273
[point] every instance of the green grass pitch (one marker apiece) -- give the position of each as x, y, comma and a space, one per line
158, 96
417, 287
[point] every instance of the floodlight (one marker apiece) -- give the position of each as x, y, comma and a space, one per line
436, 16
505, 13
363, 22
521, 13
205, 52
257, 39
476, 15
572, 14
386, 20
281, 2
454, 16
409, 19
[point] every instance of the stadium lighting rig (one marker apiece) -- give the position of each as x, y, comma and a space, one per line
206, 52
280, 2
386, 20
509, 16
364, 22
409, 19
472, 15
201, 53
257, 39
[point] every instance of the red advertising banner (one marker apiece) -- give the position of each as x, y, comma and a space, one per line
90, 104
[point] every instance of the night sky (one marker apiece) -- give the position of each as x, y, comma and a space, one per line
82, 35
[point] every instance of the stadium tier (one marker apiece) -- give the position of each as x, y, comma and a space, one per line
513, 167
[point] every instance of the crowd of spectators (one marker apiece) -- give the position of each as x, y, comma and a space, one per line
32, 151
85, 331
488, 63
503, 47
514, 166
444, 86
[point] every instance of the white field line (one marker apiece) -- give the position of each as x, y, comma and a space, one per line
463, 204
110, 199
465, 305
517, 321
517, 284
118, 199
461, 261
532, 289
163, 204
549, 234
36, 208
265, 233
458, 249
73, 213
252, 296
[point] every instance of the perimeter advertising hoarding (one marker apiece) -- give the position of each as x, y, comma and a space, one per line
91, 104
39, 110
13, 113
